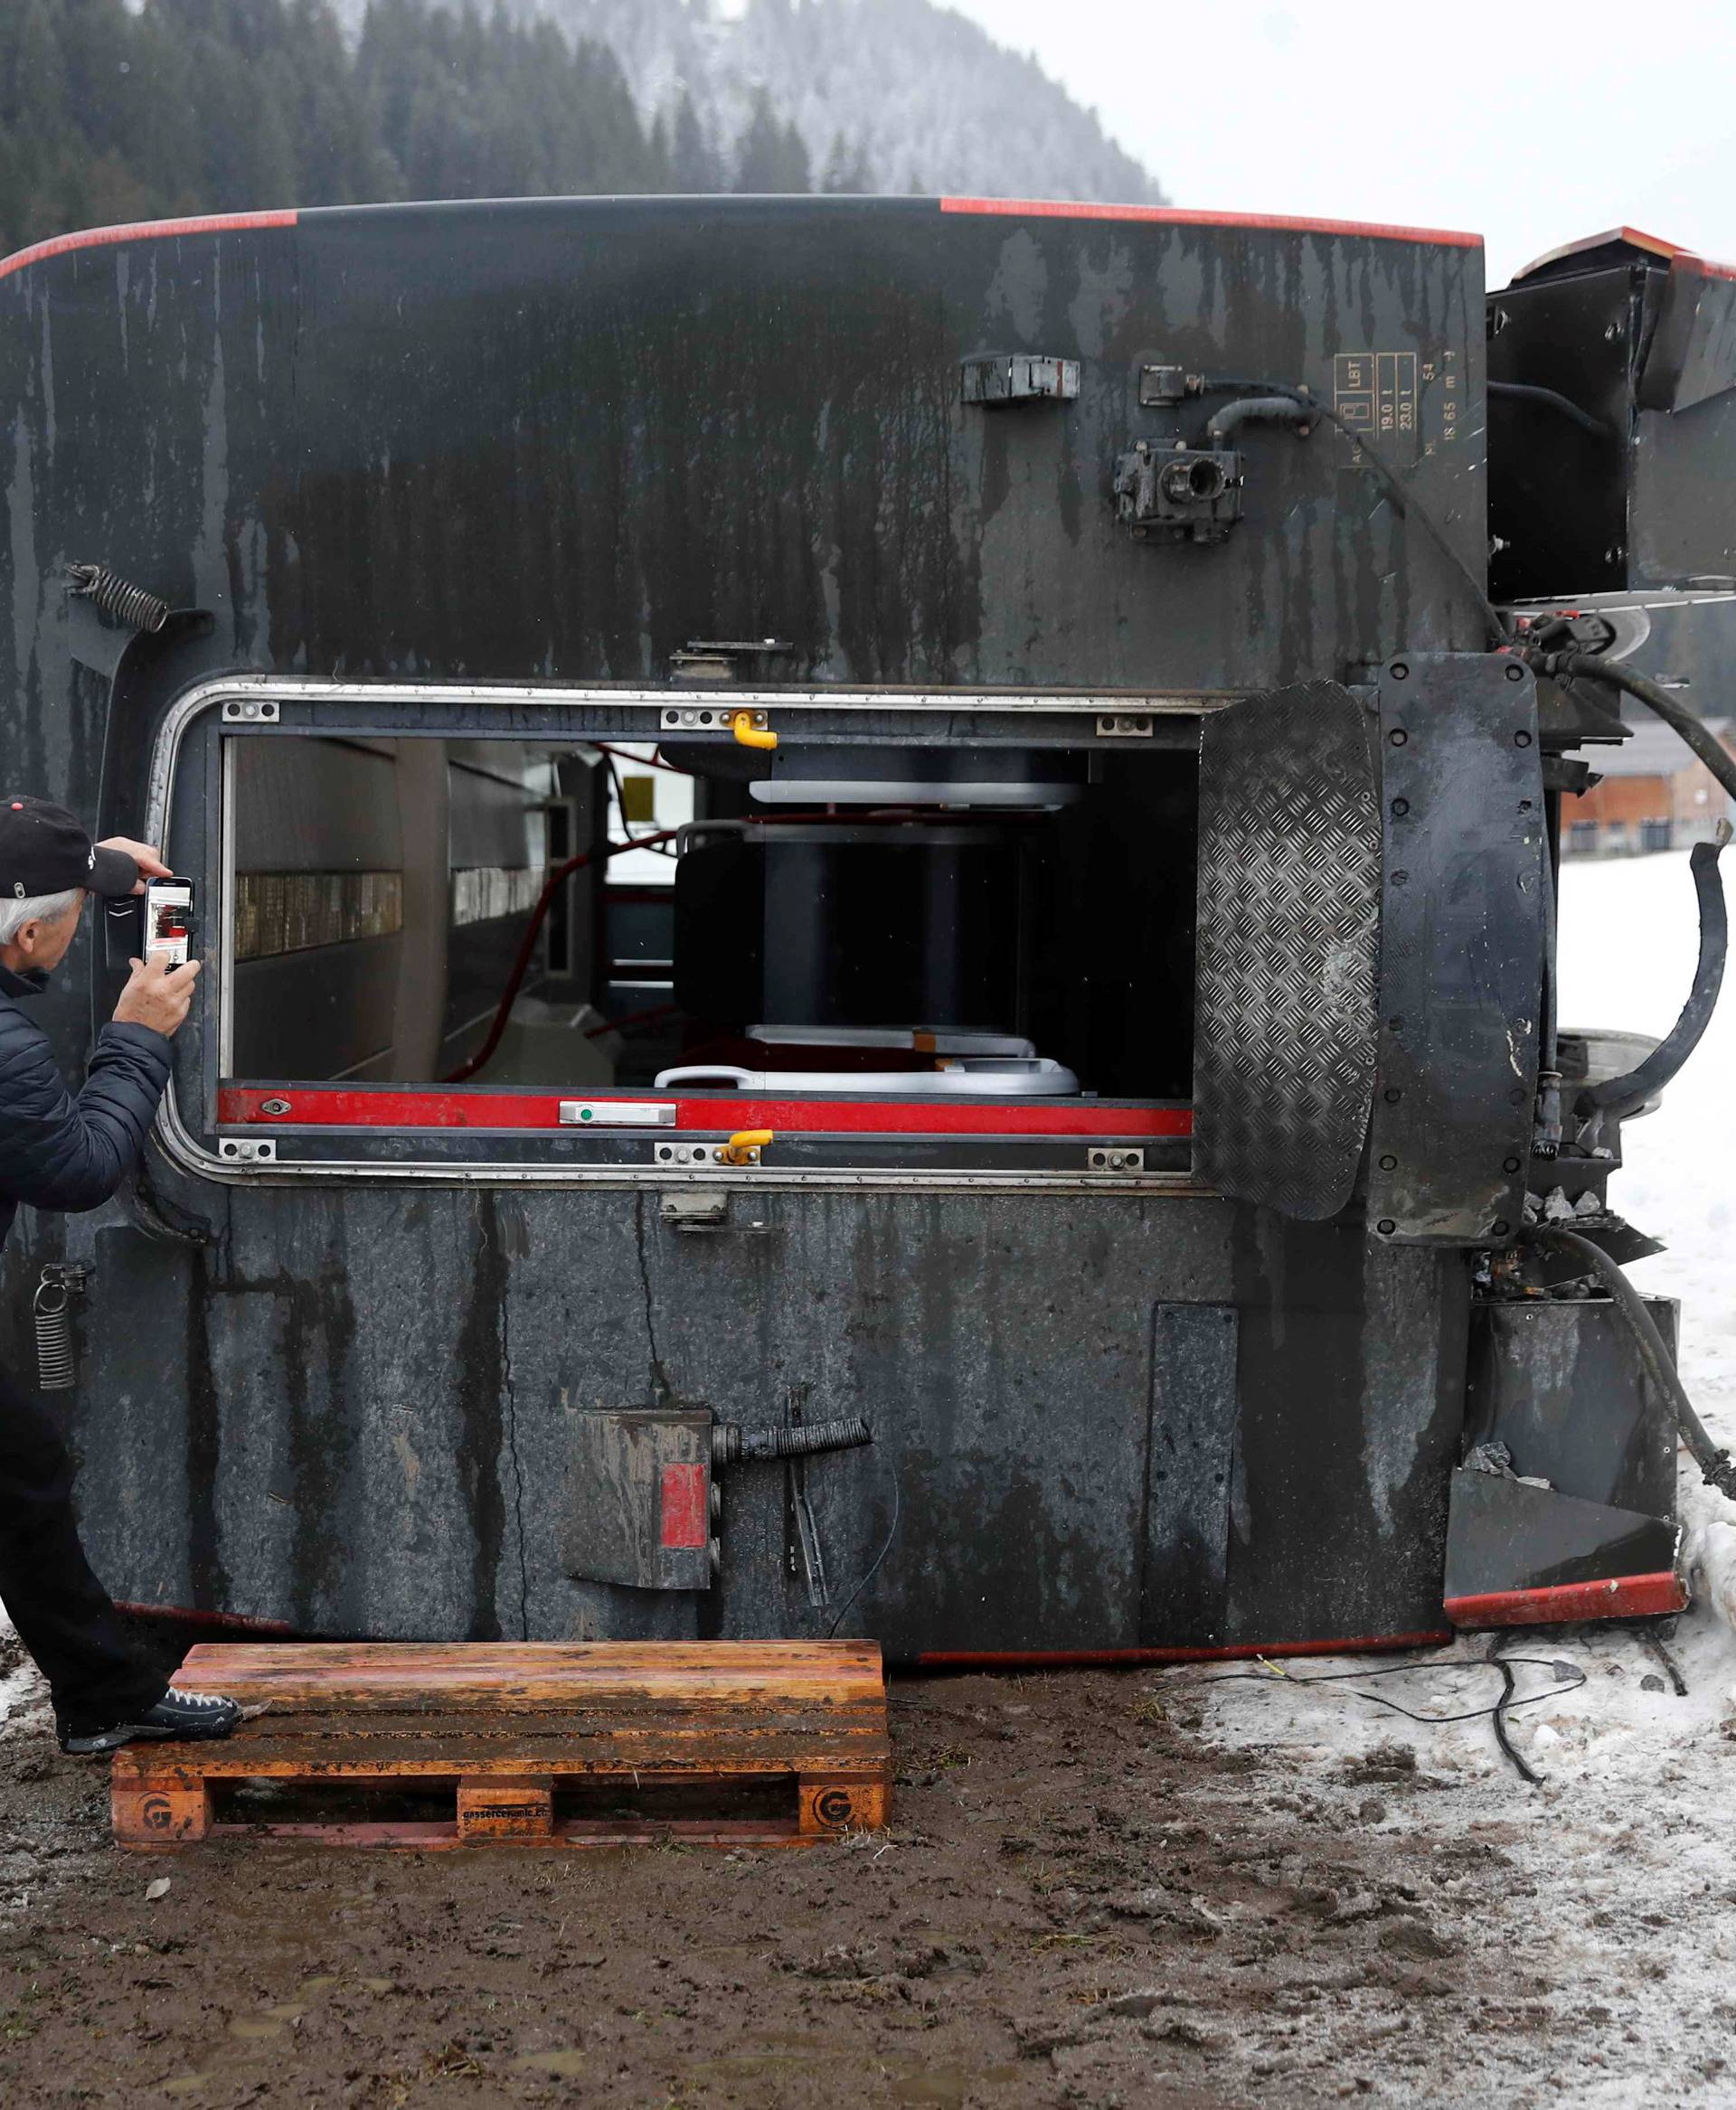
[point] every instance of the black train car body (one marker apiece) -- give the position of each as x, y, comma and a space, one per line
1616, 511
446, 501
1621, 481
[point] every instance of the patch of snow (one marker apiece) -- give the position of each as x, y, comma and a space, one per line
23, 1692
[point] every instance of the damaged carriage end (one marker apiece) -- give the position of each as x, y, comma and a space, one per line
1564, 1508
1172, 1522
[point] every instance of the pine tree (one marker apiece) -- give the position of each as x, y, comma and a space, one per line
771, 159
846, 171
137, 110
693, 170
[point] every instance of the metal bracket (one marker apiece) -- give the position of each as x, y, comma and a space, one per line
1017, 377
1106, 1158
704, 1153
705, 1210
1161, 388
712, 718
237, 1151
250, 710
1188, 493
713, 659
1113, 726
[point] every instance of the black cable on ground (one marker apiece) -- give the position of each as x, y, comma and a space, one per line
1653, 1640
1434, 1667
1498, 1713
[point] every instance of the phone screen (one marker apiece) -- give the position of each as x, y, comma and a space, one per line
168, 917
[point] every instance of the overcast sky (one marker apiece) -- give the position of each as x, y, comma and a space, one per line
1532, 123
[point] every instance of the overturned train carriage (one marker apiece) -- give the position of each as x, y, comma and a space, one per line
878, 931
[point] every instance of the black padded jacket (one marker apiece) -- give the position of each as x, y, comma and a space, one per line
58, 1152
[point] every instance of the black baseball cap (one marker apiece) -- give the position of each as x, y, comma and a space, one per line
44, 849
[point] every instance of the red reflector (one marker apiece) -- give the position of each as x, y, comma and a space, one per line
684, 1505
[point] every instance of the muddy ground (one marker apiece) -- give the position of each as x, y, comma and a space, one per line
1098, 1888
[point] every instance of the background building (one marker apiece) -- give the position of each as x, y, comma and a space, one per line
1653, 795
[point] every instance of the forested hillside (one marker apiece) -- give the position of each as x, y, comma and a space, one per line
885, 94
130, 109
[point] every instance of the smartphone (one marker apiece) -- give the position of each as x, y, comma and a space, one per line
168, 920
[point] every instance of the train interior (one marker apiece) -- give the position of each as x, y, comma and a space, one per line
991, 923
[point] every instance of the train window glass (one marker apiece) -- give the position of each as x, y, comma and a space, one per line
484, 917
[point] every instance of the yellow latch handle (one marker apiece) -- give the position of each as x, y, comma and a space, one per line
738, 1150
747, 733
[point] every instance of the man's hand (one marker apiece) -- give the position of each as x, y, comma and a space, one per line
145, 855
157, 996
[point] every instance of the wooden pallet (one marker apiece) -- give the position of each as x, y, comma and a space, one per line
514, 1738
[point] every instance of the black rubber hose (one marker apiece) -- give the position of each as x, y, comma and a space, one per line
1713, 1461
1621, 1094
802, 1441
1522, 392
1285, 409
1674, 714
1403, 503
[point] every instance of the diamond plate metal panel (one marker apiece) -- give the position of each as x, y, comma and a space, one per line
1287, 939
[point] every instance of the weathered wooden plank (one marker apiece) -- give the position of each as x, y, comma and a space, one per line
332, 1677
437, 1838
447, 1761
478, 1660
272, 1719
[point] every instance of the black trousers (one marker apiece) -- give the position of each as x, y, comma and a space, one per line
64, 1616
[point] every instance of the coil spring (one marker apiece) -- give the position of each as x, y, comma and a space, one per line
57, 1368
128, 605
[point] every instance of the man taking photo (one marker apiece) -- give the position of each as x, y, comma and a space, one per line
62, 1153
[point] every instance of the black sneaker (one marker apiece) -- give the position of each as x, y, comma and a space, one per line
189, 1717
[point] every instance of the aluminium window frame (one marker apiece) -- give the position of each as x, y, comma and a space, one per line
244, 705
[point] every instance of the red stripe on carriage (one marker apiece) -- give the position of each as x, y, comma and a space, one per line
1176, 216
725, 1113
97, 238
1620, 1597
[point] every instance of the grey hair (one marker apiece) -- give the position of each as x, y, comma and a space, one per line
36, 908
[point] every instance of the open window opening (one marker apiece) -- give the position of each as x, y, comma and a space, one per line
668, 934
